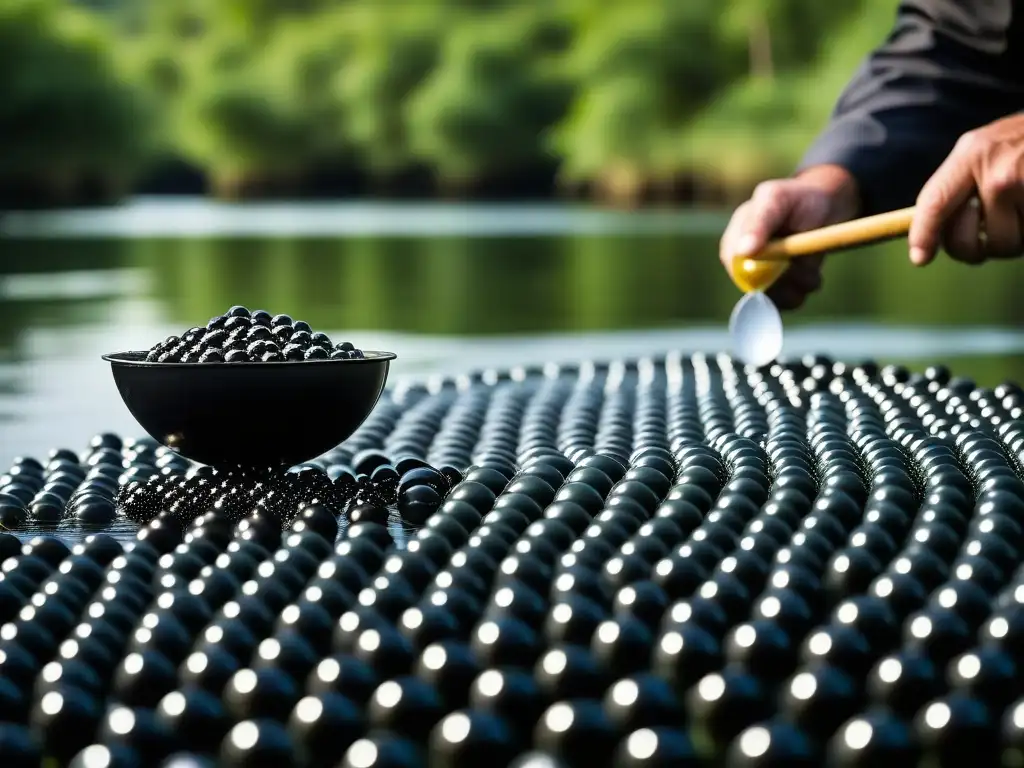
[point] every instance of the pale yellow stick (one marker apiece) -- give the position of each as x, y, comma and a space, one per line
839, 237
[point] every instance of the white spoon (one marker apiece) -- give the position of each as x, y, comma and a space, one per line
756, 325
756, 329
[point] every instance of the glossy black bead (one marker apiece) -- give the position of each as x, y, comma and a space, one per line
65, 721
471, 738
725, 703
382, 749
510, 694
774, 743
323, 727
253, 743
642, 701
957, 730
196, 713
406, 705
875, 738
820, 699
578, 733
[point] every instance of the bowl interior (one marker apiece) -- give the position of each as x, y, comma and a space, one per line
250, 414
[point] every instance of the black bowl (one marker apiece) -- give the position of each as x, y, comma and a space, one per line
250, 414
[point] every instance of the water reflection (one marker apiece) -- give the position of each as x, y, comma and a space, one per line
499, 282
446, 288
469, 286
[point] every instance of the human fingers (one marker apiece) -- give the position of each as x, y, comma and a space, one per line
727, 245
948, 189
962, 234
1001, 195
768, 213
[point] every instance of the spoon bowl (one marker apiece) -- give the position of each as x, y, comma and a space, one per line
250, 414
756, 329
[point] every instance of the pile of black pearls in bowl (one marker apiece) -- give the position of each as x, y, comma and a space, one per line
671, 561
241, 336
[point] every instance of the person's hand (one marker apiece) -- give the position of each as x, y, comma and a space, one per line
973, 206
816, 198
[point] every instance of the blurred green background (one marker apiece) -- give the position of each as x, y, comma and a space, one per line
432, 177
620, 99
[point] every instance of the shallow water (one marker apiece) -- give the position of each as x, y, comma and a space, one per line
447, 287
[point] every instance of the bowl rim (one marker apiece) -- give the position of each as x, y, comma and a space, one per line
137, 359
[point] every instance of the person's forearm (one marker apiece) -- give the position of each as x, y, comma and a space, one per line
944, 70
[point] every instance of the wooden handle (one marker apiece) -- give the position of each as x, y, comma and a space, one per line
838, 237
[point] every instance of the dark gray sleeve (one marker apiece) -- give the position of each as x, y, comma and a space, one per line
948, 66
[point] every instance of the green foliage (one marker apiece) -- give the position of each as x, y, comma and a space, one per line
484, 111
264, 110
478, 91
393, 55
758, 128
642, 69
64, 112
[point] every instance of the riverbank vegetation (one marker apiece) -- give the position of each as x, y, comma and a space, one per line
623, 100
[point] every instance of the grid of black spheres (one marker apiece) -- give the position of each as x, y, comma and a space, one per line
671, 561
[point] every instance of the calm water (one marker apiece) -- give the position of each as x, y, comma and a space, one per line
446, 287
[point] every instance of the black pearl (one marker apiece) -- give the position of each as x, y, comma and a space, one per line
405, 705
699, 612
383, 750
114, 755
787, 609
450, 667
841, 646
506, 641
642, 701
510, 694
472, 738
876, 738
957, 730
577, 732
679, 576
323, 727
820, 699
417, 503
763, 647
254, 694
257, 744
144, 678
622, 646
573, 620
569, 672
987, 674
490, 478
65, 721
384, 649
724, 703
644, 600
663, 747
477, 494
684, 654
775, 743
197, 713
139, 730
939, 634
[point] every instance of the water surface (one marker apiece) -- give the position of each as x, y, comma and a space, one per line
447, 287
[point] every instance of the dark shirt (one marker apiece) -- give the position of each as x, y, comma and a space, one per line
948, 66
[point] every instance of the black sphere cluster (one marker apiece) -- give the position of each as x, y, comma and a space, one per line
364, 492
76, 490
661, 562
241, 336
